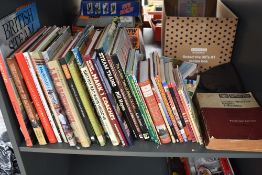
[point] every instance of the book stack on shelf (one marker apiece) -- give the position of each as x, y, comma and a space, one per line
93, 86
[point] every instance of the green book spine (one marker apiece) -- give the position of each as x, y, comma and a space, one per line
142, 107
86, 101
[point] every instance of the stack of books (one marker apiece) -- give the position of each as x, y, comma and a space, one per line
93, 86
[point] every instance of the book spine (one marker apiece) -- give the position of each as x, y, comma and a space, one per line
16, 103
184, 114
133, 103
175, 112
154, 111
55, 104
186, 101
121, 87
181, 121
86, 100
24, 67
99, 106
69, 104
142, 107
116, 92
164, 115
75, 85
168, 108
50, 115
121, 119
155, 137
116, 120
26, 101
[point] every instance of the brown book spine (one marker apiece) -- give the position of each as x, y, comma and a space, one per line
26, 100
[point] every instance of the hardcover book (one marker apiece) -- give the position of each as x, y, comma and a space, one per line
238, 116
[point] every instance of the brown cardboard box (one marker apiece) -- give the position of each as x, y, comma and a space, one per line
207, 41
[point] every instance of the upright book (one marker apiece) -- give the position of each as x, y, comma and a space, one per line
7, 45
146, 88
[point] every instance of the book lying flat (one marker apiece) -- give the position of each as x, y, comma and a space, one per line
232, 121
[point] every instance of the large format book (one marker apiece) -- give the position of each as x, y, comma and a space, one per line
103, 51
102, 98
49, 99
25, 63
232, 121
146, 88
76, 84
68, 102
26, 100
39, 59
86, 98
8, 44
188, 106
123, 89
119, 56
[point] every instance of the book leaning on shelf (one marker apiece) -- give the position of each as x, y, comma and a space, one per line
93, 86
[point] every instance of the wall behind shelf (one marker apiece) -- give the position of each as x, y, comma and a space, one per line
247, 54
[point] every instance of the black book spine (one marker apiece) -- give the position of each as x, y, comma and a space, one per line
177, 107
122, 76
116, 91
79, 103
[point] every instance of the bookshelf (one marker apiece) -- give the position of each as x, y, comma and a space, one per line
142, 158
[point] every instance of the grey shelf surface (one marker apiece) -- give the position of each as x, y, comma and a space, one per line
141, 149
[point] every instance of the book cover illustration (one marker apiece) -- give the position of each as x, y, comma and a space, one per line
110, 8
16, 27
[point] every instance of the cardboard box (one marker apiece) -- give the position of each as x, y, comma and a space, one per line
207, 41
156, 28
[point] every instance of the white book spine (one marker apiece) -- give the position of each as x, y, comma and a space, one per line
42, 97
99, 106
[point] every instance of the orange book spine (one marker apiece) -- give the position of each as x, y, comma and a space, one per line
13, 95
35, 97
155, 112
188, 128
169, 110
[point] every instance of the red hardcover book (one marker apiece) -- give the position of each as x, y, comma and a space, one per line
12, 91
35, 97
231, 121
151, 102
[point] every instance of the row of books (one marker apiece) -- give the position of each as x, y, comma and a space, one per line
92, 86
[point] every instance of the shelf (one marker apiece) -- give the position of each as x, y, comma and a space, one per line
140, 149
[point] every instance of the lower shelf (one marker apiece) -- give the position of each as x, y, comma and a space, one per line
141, 149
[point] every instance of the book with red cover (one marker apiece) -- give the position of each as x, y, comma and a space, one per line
145, 86
232, 121
35, 97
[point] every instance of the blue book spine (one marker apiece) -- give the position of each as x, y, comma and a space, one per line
110, 8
